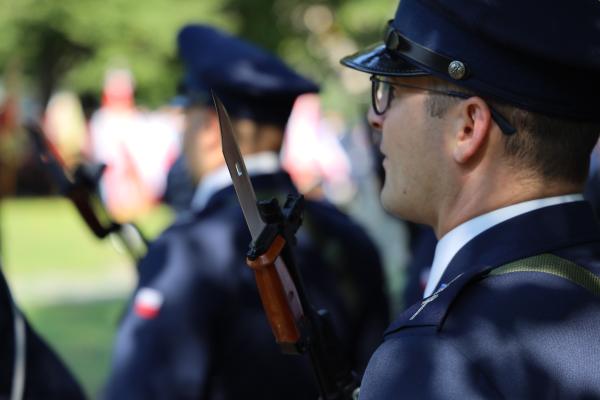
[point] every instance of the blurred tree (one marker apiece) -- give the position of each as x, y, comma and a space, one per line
71, 43
312, 36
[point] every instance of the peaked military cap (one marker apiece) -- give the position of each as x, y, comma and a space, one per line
251, 82
542, 56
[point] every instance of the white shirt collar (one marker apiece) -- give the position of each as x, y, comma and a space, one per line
454, 240
260, 163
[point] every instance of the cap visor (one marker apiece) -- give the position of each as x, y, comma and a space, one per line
377, 60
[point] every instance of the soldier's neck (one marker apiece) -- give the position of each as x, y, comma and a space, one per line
480, 196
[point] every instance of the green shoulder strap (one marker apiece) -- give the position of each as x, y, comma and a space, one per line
554, 265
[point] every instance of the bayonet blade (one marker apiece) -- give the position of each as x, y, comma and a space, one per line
237, 171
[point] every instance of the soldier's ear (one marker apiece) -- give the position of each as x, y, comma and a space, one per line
213, 129
472, 130
212, 120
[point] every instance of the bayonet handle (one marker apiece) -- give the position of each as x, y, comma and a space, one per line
279, 296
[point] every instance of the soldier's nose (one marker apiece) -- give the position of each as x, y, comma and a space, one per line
376, 121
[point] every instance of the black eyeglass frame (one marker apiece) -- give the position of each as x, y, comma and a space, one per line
502, 122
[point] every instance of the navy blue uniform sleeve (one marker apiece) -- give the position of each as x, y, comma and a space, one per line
162, 349
417, 366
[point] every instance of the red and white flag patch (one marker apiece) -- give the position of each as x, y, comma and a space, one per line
148, 302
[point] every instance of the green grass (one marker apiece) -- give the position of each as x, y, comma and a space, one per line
42, 235
82, 333
48, 251
71, 285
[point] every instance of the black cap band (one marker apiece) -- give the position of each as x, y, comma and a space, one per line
396, 42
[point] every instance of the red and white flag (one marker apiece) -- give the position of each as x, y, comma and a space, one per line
148, 302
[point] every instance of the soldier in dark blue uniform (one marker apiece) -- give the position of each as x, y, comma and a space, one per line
422, 249
196, 328
29, 369
488, 112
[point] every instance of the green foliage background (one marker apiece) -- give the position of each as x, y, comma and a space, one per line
70, 43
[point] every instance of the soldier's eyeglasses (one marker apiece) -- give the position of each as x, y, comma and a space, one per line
382, 95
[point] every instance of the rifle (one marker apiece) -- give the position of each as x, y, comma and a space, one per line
81, 188
298, 328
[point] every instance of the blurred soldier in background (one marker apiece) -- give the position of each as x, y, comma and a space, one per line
422, 249
489, 112
179, 185
195, 327
179, 188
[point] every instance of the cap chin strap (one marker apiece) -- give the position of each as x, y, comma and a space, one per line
395, 42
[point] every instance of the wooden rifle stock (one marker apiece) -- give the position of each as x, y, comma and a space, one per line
81, 188
278, 295
297, 327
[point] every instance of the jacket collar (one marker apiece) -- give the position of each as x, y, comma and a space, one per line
266, 186
256, 164
543, 230
453, 241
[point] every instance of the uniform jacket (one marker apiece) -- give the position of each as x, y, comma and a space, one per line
519, 335
210, 338
46, 377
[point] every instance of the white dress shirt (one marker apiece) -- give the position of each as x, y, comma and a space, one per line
256, 164
458, 237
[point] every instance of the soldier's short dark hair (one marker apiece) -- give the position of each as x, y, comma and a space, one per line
556, 148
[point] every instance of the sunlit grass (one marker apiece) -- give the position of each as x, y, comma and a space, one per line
82, 333
71, 285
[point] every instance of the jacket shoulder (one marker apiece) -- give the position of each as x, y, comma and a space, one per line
525, 329
205, 245
422, 365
